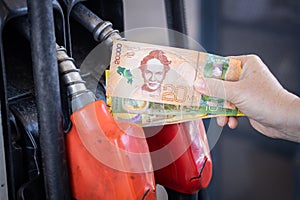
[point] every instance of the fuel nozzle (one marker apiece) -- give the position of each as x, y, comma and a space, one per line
102, 30
77, 91
99, 151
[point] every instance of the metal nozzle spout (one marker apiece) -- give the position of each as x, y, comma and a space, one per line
77, 91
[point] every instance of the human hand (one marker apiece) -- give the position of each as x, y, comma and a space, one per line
260, 96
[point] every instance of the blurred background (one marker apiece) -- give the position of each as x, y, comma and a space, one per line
247, 165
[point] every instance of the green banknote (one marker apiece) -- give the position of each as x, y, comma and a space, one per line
147, 113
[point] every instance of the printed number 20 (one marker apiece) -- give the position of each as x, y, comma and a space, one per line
174, 93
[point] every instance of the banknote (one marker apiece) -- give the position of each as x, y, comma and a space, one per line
155, 84
147, 113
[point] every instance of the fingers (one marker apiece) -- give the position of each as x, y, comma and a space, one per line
219, 88
232, 122
245, 58
222, 121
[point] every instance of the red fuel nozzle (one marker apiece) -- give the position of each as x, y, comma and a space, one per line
190, 167
106, 160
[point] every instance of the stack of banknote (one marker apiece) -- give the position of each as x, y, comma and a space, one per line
154, 85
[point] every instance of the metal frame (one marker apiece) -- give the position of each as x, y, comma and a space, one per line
3, 178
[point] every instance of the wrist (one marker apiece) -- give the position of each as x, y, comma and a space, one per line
291, 128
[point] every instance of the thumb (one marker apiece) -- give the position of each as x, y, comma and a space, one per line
219, 88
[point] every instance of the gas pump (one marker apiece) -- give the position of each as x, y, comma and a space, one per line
50, 155
193, 170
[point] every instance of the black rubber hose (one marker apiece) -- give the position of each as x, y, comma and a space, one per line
175, 14
85, 17
46, 79
175, 11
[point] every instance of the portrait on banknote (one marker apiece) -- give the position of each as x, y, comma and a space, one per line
154, 68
